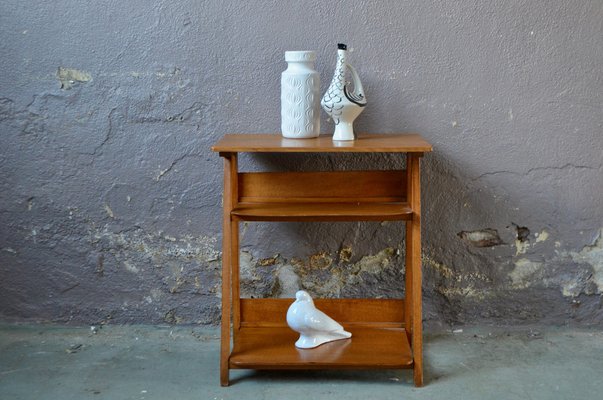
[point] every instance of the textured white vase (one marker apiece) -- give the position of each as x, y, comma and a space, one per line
341, 103
300, 96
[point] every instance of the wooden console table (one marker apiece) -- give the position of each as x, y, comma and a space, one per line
386, 333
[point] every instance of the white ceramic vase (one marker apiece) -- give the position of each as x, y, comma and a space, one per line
342, 103
300, 96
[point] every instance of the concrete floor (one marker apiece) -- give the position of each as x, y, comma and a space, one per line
146, 362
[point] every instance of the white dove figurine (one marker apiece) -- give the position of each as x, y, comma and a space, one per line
314, 326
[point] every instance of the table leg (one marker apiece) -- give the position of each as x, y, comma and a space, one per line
408, 297
413, 251
230, 192
236, 286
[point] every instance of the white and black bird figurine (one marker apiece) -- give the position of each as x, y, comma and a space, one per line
314, 326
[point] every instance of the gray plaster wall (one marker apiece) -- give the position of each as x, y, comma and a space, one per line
110, 198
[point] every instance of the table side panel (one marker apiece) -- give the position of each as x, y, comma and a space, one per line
273, 312
318, 187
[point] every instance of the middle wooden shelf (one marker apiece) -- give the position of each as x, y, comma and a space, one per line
322, 211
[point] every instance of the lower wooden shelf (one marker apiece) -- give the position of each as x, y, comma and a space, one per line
369, 347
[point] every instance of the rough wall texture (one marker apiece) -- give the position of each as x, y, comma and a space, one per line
110, 199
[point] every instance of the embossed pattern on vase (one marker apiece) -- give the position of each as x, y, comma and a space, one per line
300, 97
299, 107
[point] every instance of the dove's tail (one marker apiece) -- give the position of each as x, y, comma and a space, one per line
342, 334
309, 342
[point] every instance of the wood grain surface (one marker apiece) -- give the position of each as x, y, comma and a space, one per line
365, 143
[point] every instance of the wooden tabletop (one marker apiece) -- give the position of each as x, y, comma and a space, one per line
364, 143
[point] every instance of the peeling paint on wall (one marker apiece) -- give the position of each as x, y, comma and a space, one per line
345, 254
462, 292
482, 238
71, 76
593, 256
319, 274
522, 239
109, 211
288, 281
441, 269
525, 273
373, 264
542, 236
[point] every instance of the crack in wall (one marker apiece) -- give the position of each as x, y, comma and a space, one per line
531, 170
163, 172
108, 135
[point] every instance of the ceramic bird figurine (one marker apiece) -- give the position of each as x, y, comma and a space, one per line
314, 326
340, 103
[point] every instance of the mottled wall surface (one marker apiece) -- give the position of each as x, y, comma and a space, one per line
110, 199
